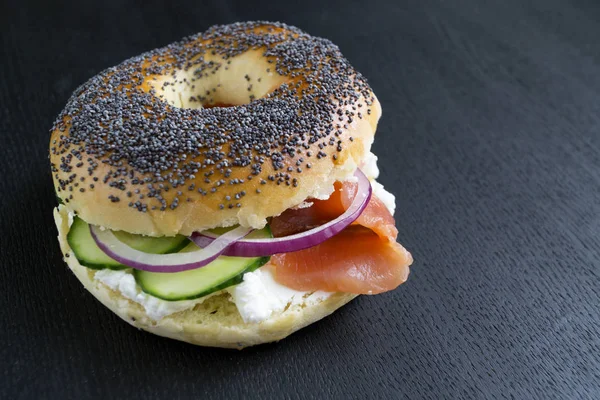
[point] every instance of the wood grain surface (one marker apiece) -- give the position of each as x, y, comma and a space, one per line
490, 139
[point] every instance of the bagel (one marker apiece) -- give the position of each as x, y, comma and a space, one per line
227, 127
248, 124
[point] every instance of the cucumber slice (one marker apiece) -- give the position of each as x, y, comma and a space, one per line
90, 255
223, 272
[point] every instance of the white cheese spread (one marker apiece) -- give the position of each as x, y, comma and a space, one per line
369, 166
256, 298
259, 296
388, 199
370, 169
124, 282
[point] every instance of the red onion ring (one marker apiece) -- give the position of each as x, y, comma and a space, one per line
177, 262
300, 241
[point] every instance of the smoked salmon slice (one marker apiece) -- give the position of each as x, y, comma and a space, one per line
363, 259
375, 216
356, 260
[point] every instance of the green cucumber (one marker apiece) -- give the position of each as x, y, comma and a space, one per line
221, 273
89, 254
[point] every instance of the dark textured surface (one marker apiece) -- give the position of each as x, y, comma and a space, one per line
490, 138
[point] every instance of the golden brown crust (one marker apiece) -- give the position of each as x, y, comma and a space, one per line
201, 325
89, 184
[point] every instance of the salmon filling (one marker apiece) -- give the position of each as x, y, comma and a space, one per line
363, 259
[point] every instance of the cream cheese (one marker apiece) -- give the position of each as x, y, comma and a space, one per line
70, 217
369, 166
124, 282
259, 296
388, 199
370, 169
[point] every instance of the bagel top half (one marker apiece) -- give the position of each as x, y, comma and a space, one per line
229, 126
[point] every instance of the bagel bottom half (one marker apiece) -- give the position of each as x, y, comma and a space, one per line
214, 322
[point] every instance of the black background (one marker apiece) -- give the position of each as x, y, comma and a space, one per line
490, 139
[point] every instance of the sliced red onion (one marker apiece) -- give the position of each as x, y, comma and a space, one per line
299, 241
177, 262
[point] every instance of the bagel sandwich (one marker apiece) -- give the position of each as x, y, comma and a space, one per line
221, 190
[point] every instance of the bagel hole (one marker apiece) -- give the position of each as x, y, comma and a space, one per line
222, 96
237, 81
